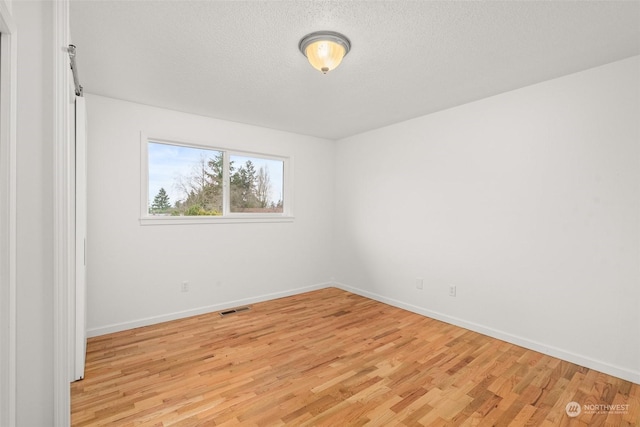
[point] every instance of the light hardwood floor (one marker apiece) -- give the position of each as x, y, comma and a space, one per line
333, 358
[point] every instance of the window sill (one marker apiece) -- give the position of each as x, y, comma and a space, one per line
228, 219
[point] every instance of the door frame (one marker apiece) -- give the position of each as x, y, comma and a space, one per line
63, 217
8, 86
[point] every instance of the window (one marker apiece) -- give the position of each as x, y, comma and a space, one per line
188, 183
255, 184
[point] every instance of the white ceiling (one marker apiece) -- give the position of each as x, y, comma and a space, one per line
239, 60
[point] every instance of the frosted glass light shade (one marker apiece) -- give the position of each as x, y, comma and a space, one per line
324, 49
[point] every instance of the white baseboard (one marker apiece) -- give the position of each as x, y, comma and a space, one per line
624, 373
117, 327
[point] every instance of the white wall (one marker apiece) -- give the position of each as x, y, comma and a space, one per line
34, 299
135, 271
528, 202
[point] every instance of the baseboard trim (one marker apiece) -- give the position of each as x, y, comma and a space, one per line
617, 371
578, 359
118, 327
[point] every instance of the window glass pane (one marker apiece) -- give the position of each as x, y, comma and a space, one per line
256, 184
184, 181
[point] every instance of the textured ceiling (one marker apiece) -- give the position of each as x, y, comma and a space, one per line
239, 60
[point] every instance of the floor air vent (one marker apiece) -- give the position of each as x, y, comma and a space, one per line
233, 311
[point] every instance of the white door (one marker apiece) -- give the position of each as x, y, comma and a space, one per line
81, 239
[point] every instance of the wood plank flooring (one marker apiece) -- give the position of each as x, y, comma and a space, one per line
333, 358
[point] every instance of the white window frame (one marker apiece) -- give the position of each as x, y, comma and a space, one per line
227, 216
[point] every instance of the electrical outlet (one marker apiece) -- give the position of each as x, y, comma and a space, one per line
452, 291
419, 283
184, 287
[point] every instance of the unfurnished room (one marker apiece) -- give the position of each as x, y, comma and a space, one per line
320, 213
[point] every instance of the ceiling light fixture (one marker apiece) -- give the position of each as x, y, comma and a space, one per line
324, 49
